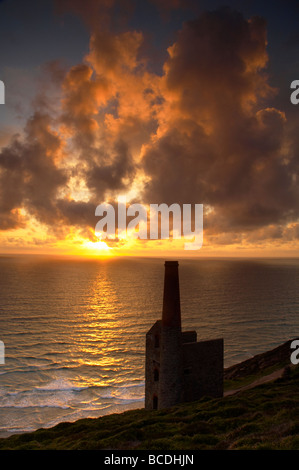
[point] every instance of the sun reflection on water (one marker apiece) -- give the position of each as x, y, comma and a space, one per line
100, 342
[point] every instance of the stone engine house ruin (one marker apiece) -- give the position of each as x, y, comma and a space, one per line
178, 368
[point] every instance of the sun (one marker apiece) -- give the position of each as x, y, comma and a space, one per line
98, 248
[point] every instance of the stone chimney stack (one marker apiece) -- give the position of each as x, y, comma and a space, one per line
171, 386
178, 368
171, 314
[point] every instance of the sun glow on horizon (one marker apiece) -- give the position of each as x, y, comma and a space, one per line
98, 248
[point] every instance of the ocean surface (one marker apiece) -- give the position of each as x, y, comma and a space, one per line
74, 330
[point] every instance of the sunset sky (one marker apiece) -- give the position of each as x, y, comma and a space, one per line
157, 101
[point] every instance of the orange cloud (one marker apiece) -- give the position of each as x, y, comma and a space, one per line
216, 143
202, 132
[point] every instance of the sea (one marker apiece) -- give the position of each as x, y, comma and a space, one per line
74, 329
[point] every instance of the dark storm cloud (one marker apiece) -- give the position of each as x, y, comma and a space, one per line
221, 147
101, 178
76, 213
204, 132
92, 141
29, 176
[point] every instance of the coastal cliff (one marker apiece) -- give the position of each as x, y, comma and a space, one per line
258, 411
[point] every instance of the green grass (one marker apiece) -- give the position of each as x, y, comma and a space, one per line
234, 384
265, 417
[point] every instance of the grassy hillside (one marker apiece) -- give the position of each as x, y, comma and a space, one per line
264, 417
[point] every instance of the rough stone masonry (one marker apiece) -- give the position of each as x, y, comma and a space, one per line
178, 367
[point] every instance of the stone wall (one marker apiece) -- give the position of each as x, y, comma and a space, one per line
152, 363
203, 369
171, 368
